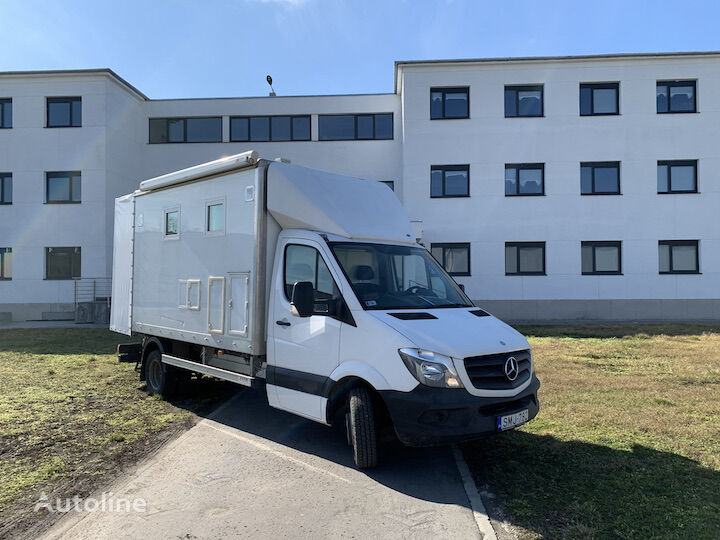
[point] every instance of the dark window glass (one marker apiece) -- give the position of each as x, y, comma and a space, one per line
158, 130
176, 130
259, 128
524, 179
601, 178
203, 129
679, 176
525, 258
64, 112
280, 128
455, 258
602, 258
599, 99
450, 181
676, 96
172, 219
523, 101
215, 218
5, 263
63, 187
304, 263
301, 128
239, 129
5, 113
678, 257
448, 103
347, 127
62, 263
389, 183
6, 187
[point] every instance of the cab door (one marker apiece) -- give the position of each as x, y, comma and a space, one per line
303, 351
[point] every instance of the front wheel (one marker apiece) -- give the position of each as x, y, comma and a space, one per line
361, 428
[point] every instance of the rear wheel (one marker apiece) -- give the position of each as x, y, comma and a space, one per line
360, 427
160, 378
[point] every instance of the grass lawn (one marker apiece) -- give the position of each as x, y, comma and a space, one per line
627, 441
71, 417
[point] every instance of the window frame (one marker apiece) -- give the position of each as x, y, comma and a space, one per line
208, 204
166, 211
72, 278
445, 169
601, 243
72, 100
3, 252
444, 90
669, 163
62, 174
185, 133
600, 165
3, 177
600, 86
681, 243
452, 245
518, 246
516, 88
355, 121
675, 83
292, 117
526, 166
3, 103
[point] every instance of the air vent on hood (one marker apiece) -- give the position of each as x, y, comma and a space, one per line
405, 316
479, 313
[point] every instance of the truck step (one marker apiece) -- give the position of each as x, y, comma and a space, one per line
237, 378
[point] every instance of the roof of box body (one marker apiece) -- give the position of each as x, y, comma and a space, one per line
399, 64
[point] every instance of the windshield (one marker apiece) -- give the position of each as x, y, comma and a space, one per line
396, 277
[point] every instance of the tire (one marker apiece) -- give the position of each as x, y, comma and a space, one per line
159, 377
361, 428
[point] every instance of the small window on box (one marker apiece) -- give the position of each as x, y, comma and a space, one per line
172, 223
215, 217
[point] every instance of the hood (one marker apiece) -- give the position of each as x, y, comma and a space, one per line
455, 332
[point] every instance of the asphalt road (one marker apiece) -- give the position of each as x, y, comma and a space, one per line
251, 471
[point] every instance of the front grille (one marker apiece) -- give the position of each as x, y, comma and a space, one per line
488, 372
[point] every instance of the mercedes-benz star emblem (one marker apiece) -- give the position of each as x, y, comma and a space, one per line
511, 369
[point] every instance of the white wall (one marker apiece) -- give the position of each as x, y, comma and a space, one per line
638, 137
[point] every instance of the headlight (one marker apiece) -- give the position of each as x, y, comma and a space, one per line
431, 369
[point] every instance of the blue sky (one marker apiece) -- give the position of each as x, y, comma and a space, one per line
226, 48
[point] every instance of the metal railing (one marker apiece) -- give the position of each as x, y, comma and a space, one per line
92, 300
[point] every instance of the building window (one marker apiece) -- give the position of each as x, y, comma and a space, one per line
449, 103
455, 258
601, 258
215, 217
5, 263
450, 181
269, 128
172, 222
679, 257
524, 179
62, 263
186, 130
389, 183
350, 127
679, 176
63, 187
5, 113
6, 188
64, 112
676, 97
600, 178
525, 258
523, 101
597, 99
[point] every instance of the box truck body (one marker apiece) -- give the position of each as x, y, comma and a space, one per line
311, 286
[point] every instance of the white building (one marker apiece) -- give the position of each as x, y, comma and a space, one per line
553, 188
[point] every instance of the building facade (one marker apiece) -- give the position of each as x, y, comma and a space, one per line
578, 188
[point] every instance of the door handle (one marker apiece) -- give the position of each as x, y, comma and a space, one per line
282, 323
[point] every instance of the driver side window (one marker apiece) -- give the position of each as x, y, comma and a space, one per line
304, 263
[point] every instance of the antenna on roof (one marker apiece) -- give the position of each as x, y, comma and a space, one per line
269, 81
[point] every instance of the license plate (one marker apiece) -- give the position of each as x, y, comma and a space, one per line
512, 420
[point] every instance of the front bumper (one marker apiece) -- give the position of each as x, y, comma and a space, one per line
429, 416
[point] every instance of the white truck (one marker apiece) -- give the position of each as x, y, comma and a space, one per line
311, 286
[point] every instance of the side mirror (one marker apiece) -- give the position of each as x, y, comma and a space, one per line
303, 299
